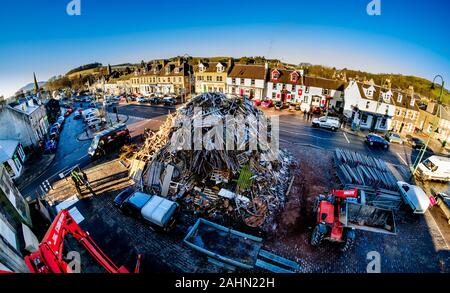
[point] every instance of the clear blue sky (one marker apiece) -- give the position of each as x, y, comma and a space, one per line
410, 37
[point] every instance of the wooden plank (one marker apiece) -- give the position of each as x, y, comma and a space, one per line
279, 259
270, 267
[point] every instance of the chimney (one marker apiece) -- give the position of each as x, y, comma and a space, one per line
230, 63
410, 91
163, 62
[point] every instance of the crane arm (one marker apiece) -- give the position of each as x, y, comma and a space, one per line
49, 257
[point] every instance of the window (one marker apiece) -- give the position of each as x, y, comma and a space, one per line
383, 123
325, 91
399, 98
275, 74
305, 99
283, 86
413, 115
367, 105
233, 81
219, 78
252, 82
294, 87
242, 81
364, 118
307, 90
233, 90
274, 86
387, 109
209, 78
274, 95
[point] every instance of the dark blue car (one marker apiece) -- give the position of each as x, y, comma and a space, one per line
376, 140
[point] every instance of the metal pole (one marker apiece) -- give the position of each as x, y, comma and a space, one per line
438, 113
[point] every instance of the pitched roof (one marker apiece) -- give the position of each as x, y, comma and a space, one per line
285, 77
210, 66
248, 71
7, 148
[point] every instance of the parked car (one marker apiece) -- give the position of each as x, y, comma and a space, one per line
141, 99
443, 202
153, 209
50, 146
418, 144
279, 105
169, 101
316, 110
68, 112
77, 115
327, 122
108, 140
415, 197
393, 137
92, 105
95, 122
155, 100
57, 126
60, 120
267, 103
434, 168
375, 140
54, 132
256, 102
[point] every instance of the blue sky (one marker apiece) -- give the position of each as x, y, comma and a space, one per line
410, 37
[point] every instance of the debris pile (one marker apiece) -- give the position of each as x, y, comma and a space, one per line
241, 183
354, 168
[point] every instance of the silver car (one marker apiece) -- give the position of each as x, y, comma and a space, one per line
393, 137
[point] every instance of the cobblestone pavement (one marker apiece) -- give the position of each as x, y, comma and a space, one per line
417, 247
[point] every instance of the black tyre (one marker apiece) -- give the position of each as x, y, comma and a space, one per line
317, 236
371, 143
333, 128
349, 241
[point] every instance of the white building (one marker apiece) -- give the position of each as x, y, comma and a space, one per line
12, 157
294, 86
15, 223
248, 80
369, 106
25, 121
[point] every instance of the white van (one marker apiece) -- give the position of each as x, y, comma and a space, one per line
327, 122
415, 197
435, 168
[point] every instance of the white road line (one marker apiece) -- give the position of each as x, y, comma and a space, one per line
401, 158
346, 138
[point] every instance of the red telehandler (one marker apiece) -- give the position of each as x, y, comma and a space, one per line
49, 257
329, 227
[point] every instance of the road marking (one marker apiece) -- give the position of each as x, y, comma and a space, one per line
346, 138
401, 158
304, 134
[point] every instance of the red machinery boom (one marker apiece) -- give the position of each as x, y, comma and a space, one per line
49, 257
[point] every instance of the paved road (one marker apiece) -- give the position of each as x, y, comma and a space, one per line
144, 111
69, 153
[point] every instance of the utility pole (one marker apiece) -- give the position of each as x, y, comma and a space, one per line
434, 125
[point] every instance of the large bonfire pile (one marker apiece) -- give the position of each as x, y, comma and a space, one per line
243, 183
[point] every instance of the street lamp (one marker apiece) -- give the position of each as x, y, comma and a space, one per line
434, 125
